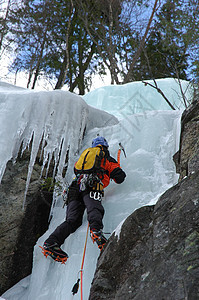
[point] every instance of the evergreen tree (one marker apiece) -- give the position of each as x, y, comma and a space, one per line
5, 10
30, 31
78, 51
191, 38
172, 47
52, 41
165, 53
70, 40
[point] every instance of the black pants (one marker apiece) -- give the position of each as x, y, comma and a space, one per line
74, 215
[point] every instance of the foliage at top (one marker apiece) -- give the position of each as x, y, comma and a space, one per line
69, 41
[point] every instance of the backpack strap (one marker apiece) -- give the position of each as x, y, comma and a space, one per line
85, 160
105, 154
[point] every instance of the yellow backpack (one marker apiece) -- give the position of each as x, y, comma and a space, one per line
89, 161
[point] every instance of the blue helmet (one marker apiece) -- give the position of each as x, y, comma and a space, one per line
100, 141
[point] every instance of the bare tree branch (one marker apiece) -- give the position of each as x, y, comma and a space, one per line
4, 24
137, 54
155, 86
108, 51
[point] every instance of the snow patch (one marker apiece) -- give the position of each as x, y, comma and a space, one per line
145, 275
195, 201
118, 229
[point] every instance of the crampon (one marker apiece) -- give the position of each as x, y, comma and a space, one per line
99, 238
54, 256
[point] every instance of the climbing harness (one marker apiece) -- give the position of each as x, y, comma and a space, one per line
90, 181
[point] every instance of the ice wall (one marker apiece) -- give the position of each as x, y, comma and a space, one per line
56, 120
150, 171
150, 139
136, 97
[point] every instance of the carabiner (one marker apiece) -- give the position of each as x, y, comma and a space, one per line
96, 195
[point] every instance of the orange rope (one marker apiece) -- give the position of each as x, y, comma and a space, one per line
82, 265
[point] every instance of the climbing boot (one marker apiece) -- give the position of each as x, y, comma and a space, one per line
98, 237
54, 251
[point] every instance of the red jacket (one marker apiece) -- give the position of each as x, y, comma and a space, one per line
112, 170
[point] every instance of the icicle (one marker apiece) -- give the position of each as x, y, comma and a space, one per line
36, 140
49, 159
48, 122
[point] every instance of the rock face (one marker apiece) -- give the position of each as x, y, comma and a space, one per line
156, 256
20, 229
186, 158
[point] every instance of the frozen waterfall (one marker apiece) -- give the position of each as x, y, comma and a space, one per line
150, 136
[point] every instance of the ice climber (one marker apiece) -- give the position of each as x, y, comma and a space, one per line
85, 192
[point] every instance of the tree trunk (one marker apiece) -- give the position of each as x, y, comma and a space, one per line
39, 59
62, 74
29, 77
111, 49
84, 67
65, 65
3, 31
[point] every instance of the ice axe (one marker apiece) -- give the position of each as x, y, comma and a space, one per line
121, 148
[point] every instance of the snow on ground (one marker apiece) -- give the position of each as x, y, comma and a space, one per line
150, 138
